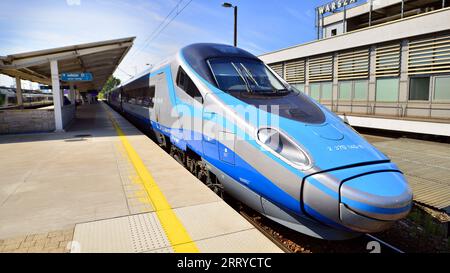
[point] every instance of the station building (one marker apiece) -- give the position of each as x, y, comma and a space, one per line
376, 60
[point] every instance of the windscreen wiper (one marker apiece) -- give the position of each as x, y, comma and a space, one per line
247, 85
249, 75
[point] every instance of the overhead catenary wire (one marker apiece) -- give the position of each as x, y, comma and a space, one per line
162, 26
156, 29
178, 13
123, 71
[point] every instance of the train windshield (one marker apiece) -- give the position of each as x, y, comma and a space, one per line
251, 82
245, 75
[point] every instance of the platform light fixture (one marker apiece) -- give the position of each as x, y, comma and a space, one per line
229, 5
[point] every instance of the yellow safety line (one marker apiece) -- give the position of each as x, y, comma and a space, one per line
176, 233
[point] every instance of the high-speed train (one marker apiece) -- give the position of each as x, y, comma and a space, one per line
243, 130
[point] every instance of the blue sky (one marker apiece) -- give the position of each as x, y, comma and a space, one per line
264, 25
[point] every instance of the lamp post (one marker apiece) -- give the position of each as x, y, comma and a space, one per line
229, 5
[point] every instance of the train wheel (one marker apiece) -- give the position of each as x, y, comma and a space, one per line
178, 155
201, 171
161, 139
215, 185
191, 165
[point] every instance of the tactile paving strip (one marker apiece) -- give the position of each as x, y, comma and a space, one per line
135, 233
137, 198
146, 233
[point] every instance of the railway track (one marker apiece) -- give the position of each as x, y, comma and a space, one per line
292, 242
386, 246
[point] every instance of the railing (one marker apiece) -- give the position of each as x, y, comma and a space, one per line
351, 105
429, 109
398, 107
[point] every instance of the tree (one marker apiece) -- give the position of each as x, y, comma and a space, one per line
110, 84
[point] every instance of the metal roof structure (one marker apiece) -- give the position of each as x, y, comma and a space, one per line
99, 58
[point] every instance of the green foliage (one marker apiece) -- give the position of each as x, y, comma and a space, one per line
110, 84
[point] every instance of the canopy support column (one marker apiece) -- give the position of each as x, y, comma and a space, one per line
72, 93
19, 92
57, 96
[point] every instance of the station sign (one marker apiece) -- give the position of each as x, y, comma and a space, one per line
333, 6
76, 77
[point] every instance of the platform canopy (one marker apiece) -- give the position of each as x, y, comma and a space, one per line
99, 58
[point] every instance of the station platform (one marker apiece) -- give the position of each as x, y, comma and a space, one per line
103, 186
427, 126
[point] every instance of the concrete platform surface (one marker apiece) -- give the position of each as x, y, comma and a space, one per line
82, 186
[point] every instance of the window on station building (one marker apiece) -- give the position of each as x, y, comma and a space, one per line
356, 90
299, 86
361, 90
419, 88
327, 91
387, 89
315, 91
185, 83
333, 32
321, 91
345, 90
442, 88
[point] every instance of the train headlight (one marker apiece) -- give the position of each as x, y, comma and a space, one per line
283, 147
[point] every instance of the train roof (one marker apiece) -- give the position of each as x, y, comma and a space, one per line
196, 55
204, 51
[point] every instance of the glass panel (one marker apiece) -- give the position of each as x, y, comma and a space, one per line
244, 75
345, 90
442, 88
387, 90
300, 87
361, 90
327, 91
315, 90
419, 88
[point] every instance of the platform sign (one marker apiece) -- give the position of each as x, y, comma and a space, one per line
76, 77
333, 6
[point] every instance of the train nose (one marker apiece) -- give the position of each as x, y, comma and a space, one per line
372, 202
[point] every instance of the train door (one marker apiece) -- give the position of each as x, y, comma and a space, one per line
165, 113
160, 91
149, 101
209, 130
121, 99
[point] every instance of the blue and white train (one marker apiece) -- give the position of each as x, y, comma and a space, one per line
297, 163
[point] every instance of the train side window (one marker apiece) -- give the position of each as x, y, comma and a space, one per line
140, 96
185, 83
149, 95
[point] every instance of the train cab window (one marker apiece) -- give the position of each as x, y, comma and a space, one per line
185, 83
